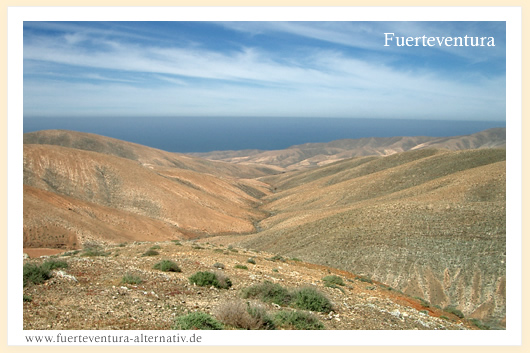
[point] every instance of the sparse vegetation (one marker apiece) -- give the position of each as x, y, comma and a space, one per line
304, 298
310, 299
167, 266
365, 279
453, 310
277, 258
37, 274
93, 249
241, 267
177, 242
480, 324
268, 292
131, 279
27, 298
197, 321
333, 280
423, 302
54, 264
251, 261
155, 247
219, 266
33, 273
71, 253
298, 320
207, 279
245, 316
151, 252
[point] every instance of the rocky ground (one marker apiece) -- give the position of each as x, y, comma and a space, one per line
89, 294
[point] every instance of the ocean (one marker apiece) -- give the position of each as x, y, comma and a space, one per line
205, 134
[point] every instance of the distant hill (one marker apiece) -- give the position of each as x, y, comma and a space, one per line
147, 156
319, 154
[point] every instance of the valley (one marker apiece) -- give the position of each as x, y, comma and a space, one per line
423, 216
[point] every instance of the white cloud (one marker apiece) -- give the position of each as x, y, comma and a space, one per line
248, 81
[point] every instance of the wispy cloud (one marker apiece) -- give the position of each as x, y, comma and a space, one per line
349, 76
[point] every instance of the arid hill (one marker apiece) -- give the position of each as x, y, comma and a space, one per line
429, 222
146, 156
83, 193
320, 154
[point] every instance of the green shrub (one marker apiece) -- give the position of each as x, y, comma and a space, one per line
332, 279
241, 267
207, 279
295, 259
177, 242
71, 253
151, 252
27, 298
251, 261
167, 266
453, 310
54, 264
277, 258
131, 279
423, 302
311, 299
96, 251
339, 287
197, 321
480, 324
298, 320
155, 247
35, 274
268, 292
365, 279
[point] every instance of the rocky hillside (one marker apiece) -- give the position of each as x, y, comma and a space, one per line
431, 223
118, 288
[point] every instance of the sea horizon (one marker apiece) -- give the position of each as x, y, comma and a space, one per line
206, 134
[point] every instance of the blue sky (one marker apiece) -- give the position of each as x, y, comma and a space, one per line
284, 69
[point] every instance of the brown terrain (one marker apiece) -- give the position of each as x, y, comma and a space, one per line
421, 221
89, 294
319, 154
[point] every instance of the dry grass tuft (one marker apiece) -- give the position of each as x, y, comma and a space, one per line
243, 315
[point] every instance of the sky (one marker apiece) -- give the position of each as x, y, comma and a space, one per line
261, 69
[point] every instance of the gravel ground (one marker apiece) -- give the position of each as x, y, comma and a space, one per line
89, 293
